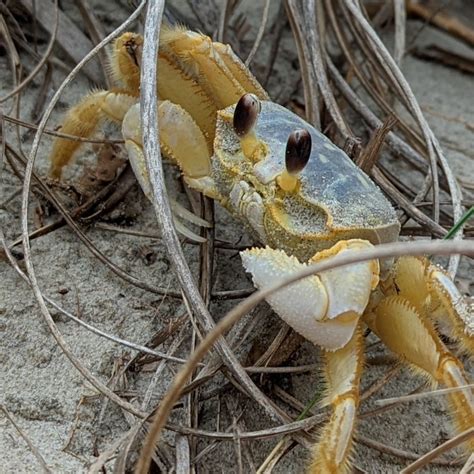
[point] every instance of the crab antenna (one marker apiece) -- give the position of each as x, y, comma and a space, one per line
245, 117
298, 151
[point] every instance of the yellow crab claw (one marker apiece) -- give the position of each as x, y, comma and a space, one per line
177, 146
324, 308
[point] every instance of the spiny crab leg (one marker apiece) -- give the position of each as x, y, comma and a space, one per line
184, 144
408, 333
83, 120
343, 369
431, 290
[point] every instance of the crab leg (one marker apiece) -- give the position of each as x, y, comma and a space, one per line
202, 76
454, 311
181, 88
202, 60
83, 119
342, 372
431, 290
405, 331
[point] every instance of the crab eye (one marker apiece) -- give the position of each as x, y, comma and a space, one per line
298, 151
246, 114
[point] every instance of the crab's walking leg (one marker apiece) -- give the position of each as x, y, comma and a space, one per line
452, 309
182, 141
435, 294
217, 69
82, 121
201, 76
405, 331
342, 371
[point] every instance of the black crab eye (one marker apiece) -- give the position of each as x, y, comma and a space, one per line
298, 151
246, 114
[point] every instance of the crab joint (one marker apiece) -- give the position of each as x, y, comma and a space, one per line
245, 117
298, 151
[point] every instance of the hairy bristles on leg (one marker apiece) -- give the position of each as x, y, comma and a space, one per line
461, 403
453, 310
409, 333
176, 85
83, 119
197, 51
240, 71
343, 369
198, 56
432, 291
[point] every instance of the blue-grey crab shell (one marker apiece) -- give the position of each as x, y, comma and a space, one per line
335, 199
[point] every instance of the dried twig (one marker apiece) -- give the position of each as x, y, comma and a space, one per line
420, 396
400, 30
69, 37
24, 224
371, 152
308, 74
41, 63
433, 14
444, 56
32, 447
261, 31
428, 457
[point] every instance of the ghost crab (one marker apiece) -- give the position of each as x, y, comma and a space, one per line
305, 200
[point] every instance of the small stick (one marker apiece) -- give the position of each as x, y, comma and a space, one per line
371, 152
428, 457
32, 447
43, 60
183, 461
400, 30
418, 396
442, 20
469, 466
69, 38
97, 33
53, 133
399, 453
260, 33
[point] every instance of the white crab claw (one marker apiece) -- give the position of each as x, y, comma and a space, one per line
323, 308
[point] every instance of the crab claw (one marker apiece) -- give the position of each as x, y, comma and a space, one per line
131, 130
323, 308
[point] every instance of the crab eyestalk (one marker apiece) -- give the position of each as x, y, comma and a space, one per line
245, 117
298, 151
